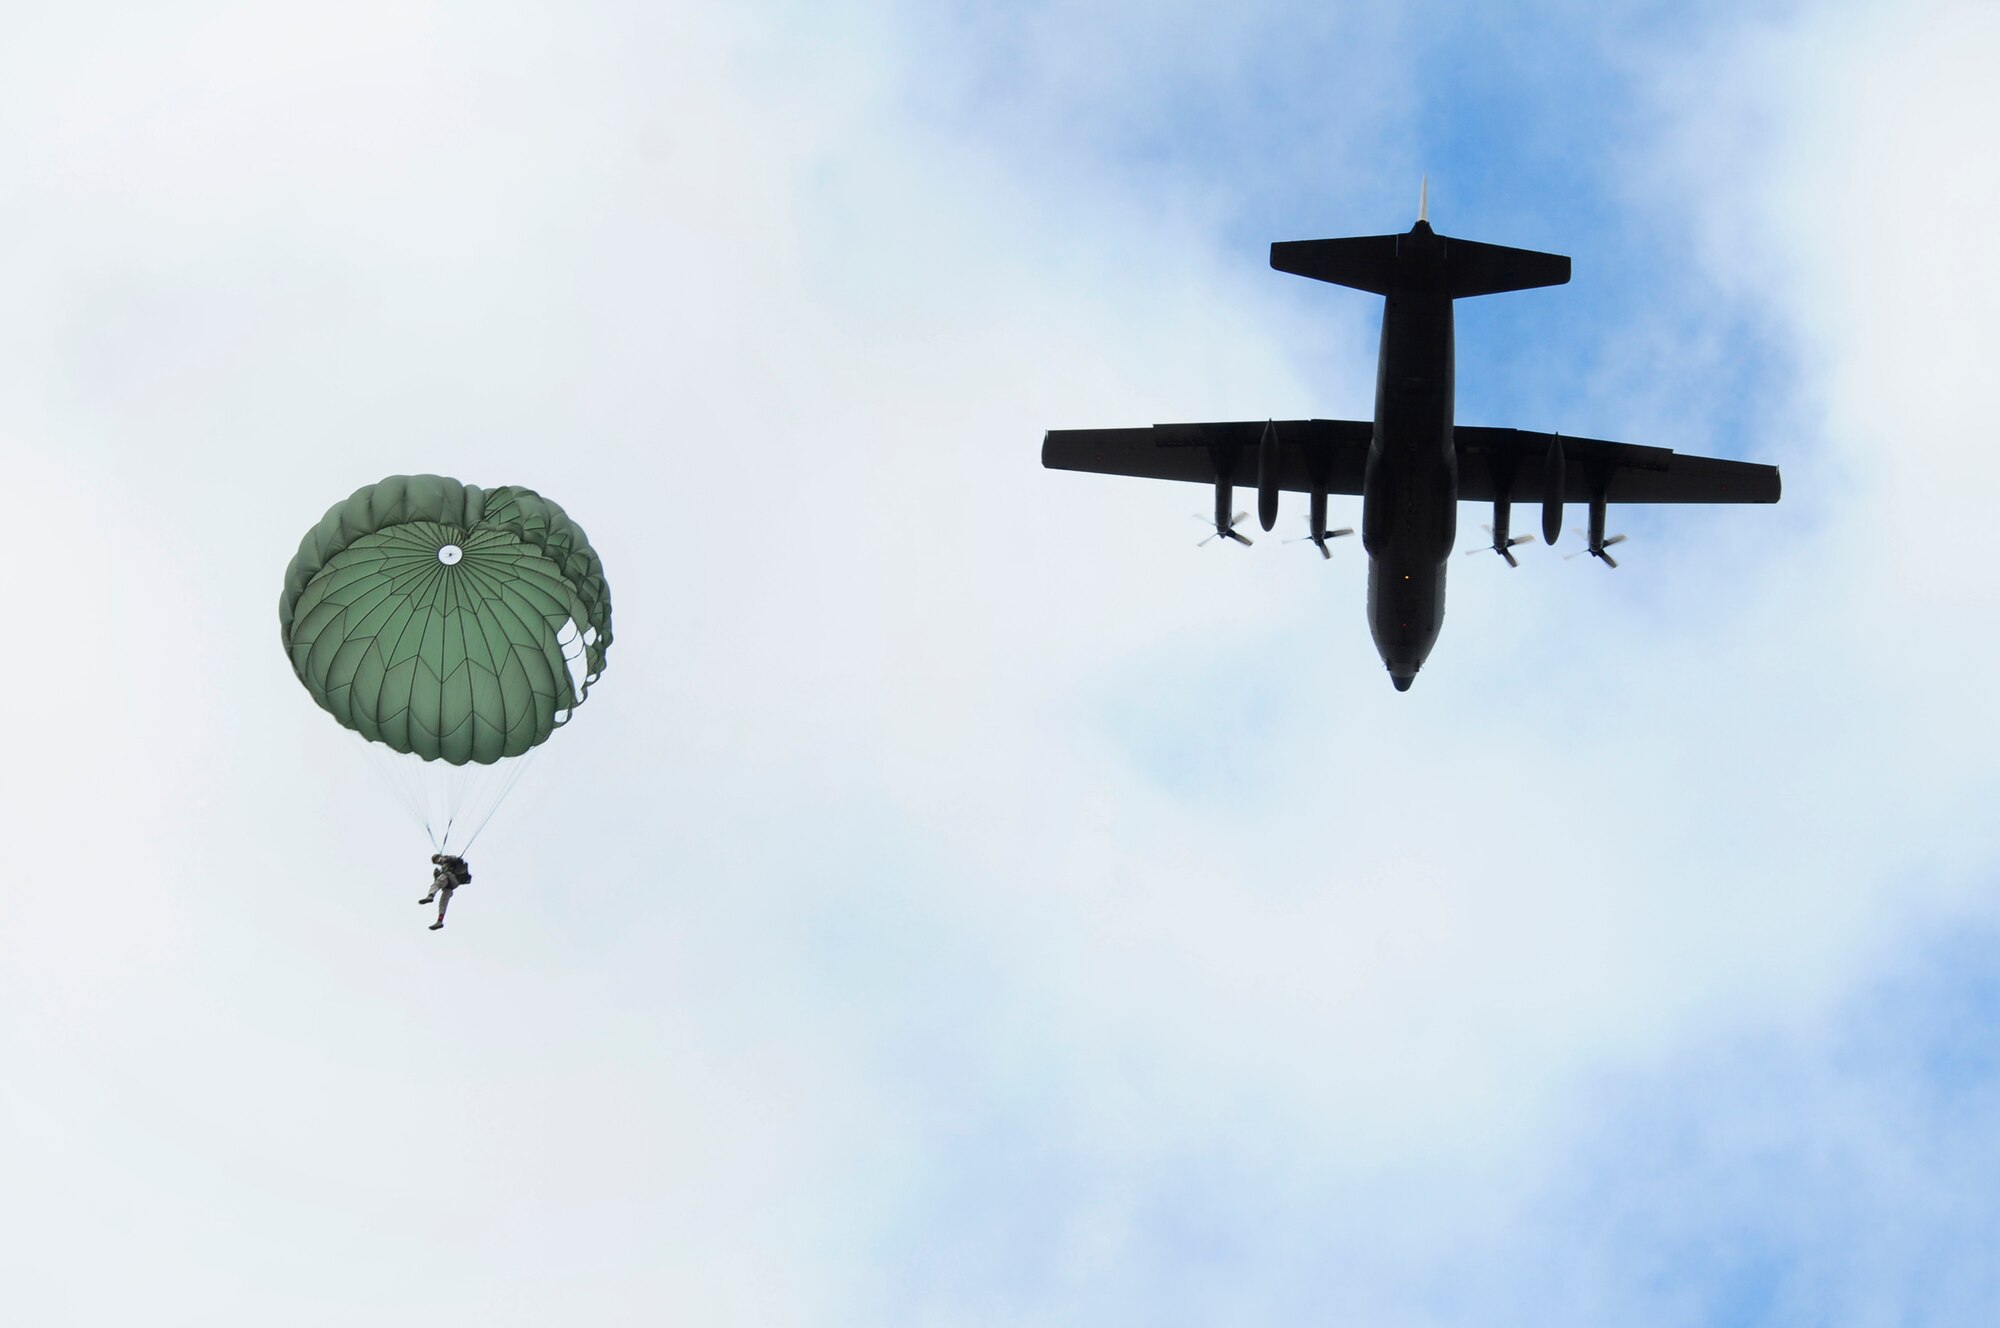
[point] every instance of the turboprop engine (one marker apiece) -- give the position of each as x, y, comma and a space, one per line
1225, 523
1595, 540
1501, 542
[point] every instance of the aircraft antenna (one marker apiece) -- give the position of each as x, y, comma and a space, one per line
1424, 199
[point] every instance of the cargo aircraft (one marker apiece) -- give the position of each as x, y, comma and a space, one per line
1411, 464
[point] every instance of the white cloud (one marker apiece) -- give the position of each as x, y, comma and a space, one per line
955, 873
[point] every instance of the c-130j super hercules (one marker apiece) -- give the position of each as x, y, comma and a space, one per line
1411, 464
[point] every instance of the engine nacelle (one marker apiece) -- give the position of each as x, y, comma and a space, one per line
1553, 476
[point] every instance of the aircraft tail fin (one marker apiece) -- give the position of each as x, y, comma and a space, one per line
1387, 264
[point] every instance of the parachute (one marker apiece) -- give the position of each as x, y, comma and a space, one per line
452, 628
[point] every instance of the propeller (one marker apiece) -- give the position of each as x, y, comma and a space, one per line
1598, 550
1223, 532
1320, 537
1504, 548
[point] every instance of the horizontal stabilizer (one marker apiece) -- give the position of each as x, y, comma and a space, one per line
1365, 262
1472, 268
1419, 262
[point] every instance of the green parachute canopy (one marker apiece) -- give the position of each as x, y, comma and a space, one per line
454, 623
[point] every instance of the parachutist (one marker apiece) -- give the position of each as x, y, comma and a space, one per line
448, 873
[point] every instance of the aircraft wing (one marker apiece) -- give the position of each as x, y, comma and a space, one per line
1512, 463
1311, 453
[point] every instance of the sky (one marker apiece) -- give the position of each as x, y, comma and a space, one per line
963, 901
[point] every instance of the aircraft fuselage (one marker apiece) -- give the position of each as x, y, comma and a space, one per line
1409, 497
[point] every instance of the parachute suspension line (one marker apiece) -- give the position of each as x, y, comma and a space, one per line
452, 803
403, 775
483, 789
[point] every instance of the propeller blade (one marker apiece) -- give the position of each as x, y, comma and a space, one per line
1504, 550
1318, 538
1221, 532
1498, 548
1598, 552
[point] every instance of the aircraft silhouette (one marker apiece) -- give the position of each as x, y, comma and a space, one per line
1411, 464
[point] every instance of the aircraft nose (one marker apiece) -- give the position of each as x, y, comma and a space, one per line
1402, 680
